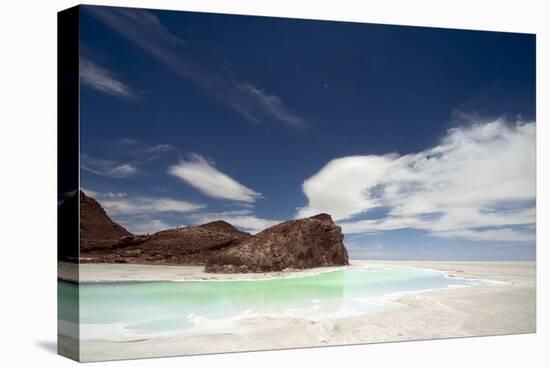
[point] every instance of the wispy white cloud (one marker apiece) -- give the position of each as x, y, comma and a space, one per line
479, 176
128, 141
202, 174
123, 170
243, 219
270, 104
120, 203
106, 167
130, 154
501, 234
146, 30
102, 195
146, 205
96, 77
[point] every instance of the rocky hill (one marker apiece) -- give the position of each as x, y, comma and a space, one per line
298, 244
188, 245
97, 230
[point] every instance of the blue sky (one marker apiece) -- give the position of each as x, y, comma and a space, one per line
420, 142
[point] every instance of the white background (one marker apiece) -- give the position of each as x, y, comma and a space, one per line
28, 182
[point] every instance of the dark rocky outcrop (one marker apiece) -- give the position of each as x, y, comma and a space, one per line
102, 240
298, 244
220, 226
189, 245
97, 230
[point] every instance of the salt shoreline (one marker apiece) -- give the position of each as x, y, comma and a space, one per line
94, 273
103, 272
501, 308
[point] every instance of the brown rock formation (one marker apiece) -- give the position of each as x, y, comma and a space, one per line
97, 230
299, 244
220, 226
189, 245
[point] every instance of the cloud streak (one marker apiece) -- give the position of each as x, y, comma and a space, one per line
476, 184
202, 174
130, 154
146, 30
106, 167
122, 204
118, 206
102, 80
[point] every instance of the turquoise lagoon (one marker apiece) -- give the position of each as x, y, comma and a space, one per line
133, 310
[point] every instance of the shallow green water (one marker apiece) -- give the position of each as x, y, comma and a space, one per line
134, 309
